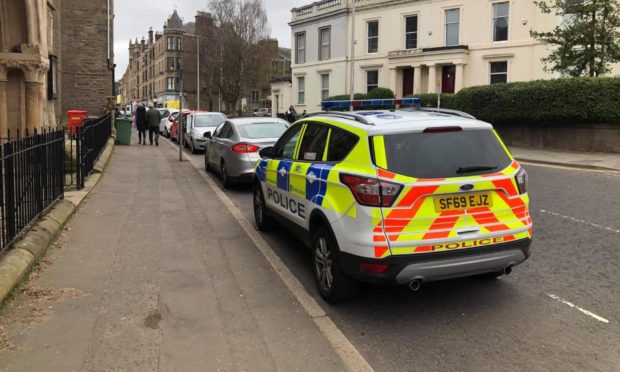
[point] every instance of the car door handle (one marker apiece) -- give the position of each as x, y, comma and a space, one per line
311, 177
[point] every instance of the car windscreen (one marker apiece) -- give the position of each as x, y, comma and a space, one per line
208, 120
445, 154
262, 130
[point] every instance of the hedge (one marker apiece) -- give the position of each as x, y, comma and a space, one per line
545, 102
563, 101
430, 100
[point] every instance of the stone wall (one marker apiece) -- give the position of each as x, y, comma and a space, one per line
86, 80
590, 138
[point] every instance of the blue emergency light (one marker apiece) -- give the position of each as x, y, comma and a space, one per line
415, 102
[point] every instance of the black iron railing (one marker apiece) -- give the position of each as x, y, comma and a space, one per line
85, 147
32, 172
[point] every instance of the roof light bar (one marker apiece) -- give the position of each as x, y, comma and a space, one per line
371, 102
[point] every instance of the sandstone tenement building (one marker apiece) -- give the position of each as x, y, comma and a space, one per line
54, 55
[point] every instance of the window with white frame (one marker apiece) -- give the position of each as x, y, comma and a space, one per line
500, 21
373, 36
372, 80
411, 32
170, 43
170, 83
170, 61
178, 43
324, 86
254, 96
301, 90
300, 48
499, 72
324, 43
453, 17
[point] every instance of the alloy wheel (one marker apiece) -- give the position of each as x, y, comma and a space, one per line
323, 263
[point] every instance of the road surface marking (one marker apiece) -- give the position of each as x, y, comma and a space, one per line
611, 229
588, 313
351, 357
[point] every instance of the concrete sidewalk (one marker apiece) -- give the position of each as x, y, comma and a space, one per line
154, 274
585, 160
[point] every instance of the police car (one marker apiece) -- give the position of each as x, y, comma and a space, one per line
401, 197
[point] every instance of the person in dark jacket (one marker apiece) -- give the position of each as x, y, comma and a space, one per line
141, 124
153, 117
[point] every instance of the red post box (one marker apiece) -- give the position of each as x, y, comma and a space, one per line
75, 119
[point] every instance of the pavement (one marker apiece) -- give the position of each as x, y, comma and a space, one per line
159, 271
154, 273
584, 160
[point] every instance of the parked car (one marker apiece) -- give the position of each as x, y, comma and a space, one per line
175, 124
167, 118
262, 112
232, 149
198, 123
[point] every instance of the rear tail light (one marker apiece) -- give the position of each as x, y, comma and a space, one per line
373, 268
245, 148
370, 191
521, 179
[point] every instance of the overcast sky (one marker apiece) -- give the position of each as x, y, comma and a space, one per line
133, 19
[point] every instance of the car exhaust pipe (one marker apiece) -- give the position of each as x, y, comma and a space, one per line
415, 285
507, 270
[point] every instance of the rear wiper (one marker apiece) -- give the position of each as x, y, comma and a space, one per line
475, 168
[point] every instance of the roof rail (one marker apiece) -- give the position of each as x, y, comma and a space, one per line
448, 112
343, 115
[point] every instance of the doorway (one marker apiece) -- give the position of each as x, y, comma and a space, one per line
447, 79
408, 82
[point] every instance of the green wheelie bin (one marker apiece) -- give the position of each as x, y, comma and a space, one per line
123, 131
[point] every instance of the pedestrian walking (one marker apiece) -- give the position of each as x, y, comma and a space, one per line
292, 115
153, 117
141, 124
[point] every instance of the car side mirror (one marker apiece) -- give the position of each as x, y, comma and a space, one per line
267, 152
171, 119
207, 135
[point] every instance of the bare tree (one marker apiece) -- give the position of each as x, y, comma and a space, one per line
240, 26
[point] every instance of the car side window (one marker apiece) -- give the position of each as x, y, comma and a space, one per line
314, 142
165, 114
229, 131
341, 143
225, 133
218, 130
285, 148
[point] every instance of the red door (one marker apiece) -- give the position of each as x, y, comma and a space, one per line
447, 79
407, 82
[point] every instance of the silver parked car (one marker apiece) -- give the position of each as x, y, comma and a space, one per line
232, 150
198, 123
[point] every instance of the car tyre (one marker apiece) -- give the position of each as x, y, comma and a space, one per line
264, 222
192, 147
333, 284
226, 181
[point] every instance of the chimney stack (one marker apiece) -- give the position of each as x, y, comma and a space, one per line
150, 35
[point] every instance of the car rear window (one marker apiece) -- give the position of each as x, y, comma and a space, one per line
445, 154
262, 130
209, 120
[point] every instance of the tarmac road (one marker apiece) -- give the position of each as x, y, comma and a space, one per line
557, 311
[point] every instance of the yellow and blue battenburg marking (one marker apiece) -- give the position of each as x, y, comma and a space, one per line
261, 170
283, 177
316, 182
